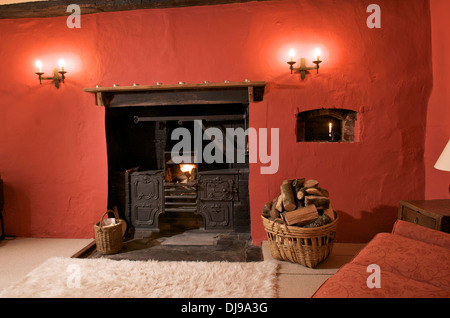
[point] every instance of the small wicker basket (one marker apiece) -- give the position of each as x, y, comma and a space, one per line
108, 239
304, 246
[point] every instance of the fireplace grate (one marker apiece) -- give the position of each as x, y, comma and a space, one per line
180, 197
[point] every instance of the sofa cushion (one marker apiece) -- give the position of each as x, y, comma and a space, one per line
350, 281
421, 233
409, 258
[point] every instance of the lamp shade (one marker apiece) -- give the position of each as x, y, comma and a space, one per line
443, 162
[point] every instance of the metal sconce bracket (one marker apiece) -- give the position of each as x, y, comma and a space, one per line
56, 78
303, 68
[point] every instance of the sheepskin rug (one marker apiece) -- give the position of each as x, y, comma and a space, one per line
103, 278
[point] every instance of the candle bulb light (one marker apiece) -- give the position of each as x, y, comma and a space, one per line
330, 128
38, 66
61, 65
317, 53
291, 62
292, 54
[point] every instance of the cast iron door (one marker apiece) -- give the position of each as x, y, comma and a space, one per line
146, 198
216, 196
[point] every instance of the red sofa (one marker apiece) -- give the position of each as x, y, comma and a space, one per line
414, 262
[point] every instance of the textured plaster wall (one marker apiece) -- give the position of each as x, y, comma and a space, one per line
53, 153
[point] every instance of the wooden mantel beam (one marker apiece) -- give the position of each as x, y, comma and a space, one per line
54, 8
179, 94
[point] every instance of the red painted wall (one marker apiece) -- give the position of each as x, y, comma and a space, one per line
53, 155
438, 115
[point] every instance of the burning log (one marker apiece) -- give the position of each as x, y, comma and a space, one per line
192, 175
182, 173
182, 177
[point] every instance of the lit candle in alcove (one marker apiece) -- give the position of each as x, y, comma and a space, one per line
38, 66
330, 127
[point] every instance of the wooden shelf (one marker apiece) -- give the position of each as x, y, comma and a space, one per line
187, 86
56, 8
179, 94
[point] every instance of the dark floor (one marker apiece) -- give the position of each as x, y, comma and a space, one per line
189, 245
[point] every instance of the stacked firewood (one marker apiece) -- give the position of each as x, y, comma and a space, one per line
300, 203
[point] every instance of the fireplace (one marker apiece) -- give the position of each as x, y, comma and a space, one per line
151, 187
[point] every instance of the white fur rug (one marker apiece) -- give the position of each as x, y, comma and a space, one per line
104, 278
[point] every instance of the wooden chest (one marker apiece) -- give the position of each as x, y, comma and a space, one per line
434, 214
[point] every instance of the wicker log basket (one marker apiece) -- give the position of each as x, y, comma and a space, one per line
300, 223
304, 246
108, 239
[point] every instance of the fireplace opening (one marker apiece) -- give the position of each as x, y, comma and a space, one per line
153, 191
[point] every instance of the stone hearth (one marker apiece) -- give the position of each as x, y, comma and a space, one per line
190, 245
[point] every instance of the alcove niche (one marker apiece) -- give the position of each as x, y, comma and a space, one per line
326, 125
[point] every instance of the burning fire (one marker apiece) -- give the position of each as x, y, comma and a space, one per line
187, 168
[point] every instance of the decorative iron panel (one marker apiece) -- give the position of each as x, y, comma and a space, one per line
218, 187
146, 198
217, 215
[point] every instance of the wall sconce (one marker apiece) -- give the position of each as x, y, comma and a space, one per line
56, 78
303, 68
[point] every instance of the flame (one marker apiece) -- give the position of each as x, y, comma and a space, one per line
187, 167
